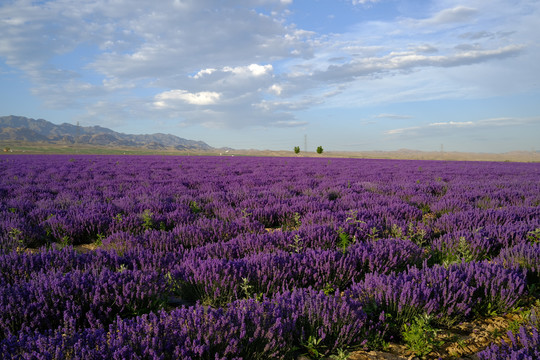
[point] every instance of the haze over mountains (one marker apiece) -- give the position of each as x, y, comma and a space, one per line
20, 128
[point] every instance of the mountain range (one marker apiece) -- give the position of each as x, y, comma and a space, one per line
20, 128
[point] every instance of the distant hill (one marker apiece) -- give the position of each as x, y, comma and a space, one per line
19, 128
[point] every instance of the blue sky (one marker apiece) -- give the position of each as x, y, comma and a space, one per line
352, 75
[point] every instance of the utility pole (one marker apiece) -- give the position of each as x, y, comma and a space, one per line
305, 142
77, 136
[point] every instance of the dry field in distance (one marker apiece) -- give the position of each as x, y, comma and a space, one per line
47, 148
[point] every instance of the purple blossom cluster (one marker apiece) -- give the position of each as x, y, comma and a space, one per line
246, 329
450, 295
254, 258
198, 275
524, 345
218, 281
77, 299
526, 256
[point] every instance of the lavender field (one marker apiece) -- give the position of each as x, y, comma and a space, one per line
261, 258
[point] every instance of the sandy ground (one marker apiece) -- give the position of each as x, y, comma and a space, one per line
517, 156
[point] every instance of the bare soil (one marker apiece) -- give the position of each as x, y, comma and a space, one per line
461, 342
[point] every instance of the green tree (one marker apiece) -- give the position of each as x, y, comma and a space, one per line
319, 150
297, 149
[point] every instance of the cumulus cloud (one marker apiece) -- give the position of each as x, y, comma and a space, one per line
165, 99
276, 89
203, 72
215, 35
251, 70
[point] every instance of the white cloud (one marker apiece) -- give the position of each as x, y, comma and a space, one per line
203, 72
401, 131
509, 121
363, 2
458, 14
447, 127
250, 70
407, 60
209, 35
276, 89
165, 99
451, 124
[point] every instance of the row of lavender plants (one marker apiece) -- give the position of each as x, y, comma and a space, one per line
71, 299
256, 257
